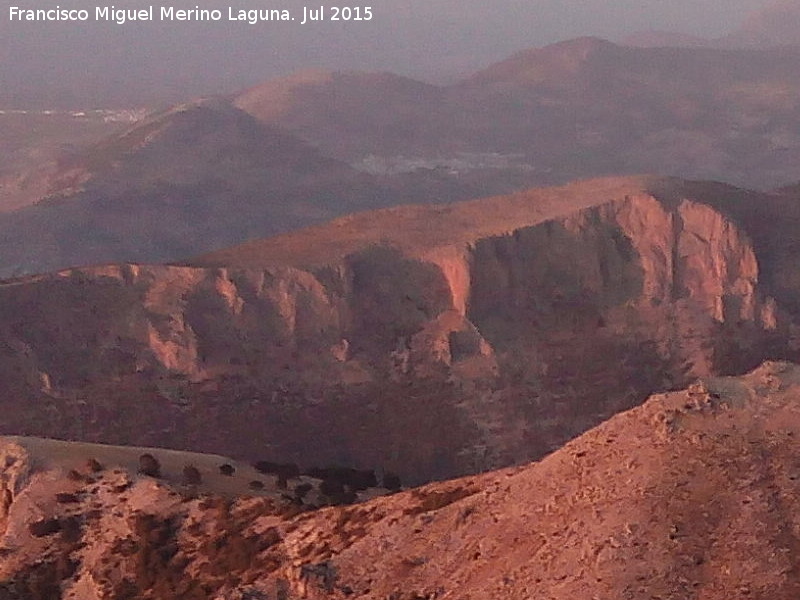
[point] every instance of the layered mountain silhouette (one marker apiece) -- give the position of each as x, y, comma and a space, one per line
573, 109
298, 151
348, 280
773, 25
694, 493
427, 340
770, 26
199, 176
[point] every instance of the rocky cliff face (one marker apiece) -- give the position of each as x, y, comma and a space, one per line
474, 350
694, 493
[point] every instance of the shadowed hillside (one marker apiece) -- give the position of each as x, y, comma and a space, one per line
197, 177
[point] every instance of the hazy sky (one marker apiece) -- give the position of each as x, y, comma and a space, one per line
102, 63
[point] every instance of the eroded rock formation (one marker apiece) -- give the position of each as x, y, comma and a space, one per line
431, 340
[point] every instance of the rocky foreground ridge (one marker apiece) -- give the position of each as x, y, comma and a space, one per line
693, 494
431, 341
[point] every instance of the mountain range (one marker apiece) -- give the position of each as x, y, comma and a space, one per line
293, 152
231, 331
428, 340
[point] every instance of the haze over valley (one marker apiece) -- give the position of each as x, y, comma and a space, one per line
426, 319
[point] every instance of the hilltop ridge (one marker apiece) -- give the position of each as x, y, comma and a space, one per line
430, 341
297, 151
694, 492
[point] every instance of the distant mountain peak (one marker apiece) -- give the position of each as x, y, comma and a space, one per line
552, 62
664, 39
777, 24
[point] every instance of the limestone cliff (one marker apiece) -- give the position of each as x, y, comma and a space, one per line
433, 341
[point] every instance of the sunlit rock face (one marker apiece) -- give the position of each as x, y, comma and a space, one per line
429, 340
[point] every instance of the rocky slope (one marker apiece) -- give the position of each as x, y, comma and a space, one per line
431, 341
693, 494
32, 143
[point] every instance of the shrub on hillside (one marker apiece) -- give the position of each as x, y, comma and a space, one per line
44, 527
355, 479
391, 481
282, 470
93, 465
336, 492
301, 490
74, 475
149, 465
191, 475
66, 498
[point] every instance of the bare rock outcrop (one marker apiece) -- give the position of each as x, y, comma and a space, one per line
693, 493
512, 323
16, 468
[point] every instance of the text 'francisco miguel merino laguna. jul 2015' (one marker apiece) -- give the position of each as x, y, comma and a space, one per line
121, 16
